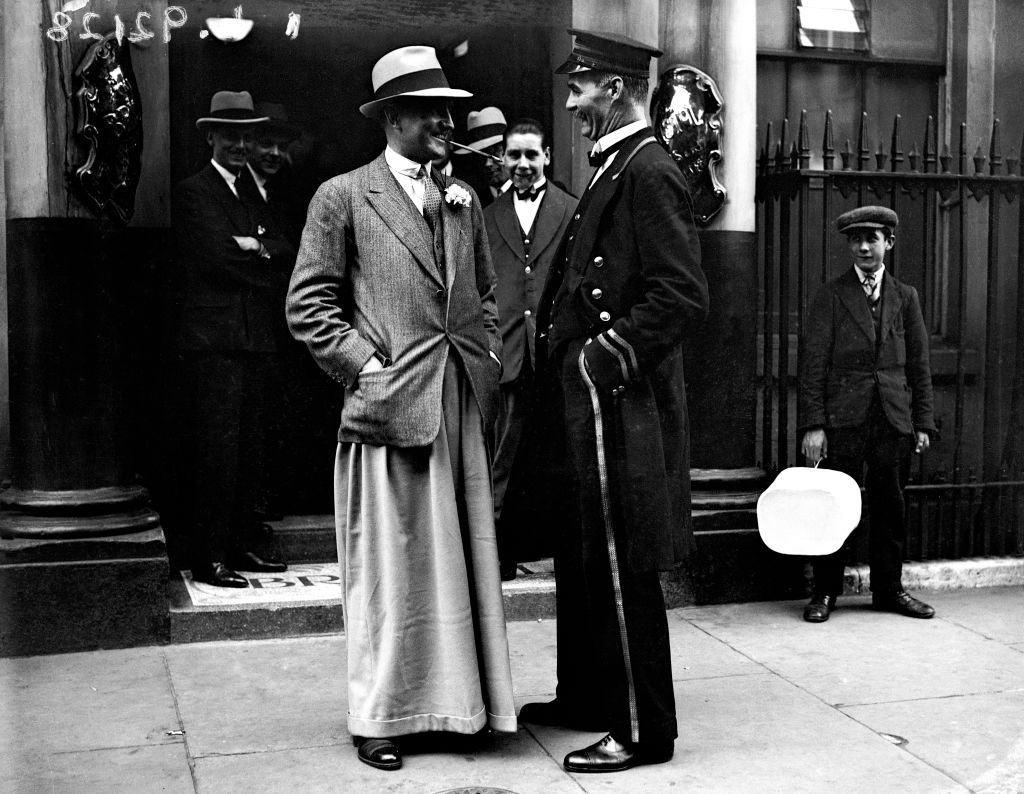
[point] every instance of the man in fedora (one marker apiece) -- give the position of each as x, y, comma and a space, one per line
865, 403
485, 129
232, 263
624, 291
393, 294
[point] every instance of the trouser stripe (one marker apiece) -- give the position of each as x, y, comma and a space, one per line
613, 557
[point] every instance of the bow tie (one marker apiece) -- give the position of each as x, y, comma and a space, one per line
598, 155
530, 194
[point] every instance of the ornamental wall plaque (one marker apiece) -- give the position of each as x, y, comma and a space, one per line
108, 129
686, 108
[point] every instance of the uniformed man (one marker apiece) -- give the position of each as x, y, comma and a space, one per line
613, 318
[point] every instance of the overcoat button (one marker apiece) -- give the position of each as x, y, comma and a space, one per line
605, 316
577, 216
528, 268
598, 261
596, 294
527, 313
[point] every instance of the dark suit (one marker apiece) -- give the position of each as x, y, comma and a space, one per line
870, 390
521, 264
229, 326
613, 320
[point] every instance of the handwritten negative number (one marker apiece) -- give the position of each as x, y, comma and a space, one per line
174, 17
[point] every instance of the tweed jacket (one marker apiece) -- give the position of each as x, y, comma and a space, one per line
628, 278
366, 282
232, 299
841, 364
520, 277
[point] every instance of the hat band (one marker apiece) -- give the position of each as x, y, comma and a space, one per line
633, 70
233, 114
413, 81
485, 131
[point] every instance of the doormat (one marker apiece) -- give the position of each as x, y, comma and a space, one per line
304, 583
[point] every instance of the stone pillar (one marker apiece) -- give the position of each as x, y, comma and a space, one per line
83, 562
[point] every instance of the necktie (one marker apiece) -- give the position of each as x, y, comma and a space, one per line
431, 199
598, 154
869, 285
530, 194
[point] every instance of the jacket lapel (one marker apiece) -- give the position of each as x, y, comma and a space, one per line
234, 209
454, 221
851, 293
549, 220
508, 224
396, 209
890, 299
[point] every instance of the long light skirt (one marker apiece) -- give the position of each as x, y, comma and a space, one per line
425, 625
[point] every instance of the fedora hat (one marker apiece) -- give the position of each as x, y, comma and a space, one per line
231, 107
277, 120
408, 71
484, 128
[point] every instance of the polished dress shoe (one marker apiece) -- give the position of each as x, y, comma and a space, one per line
378, 753
251, 561
553, 713
219, 575
819, 608
611, 755
902, 603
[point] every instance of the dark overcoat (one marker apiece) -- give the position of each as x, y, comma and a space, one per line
629, 279
841, 363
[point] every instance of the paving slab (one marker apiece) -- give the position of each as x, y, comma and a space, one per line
516, 763
156, 769
262, 695
994, 612
862, 656
85, 701
978, 740
761, 734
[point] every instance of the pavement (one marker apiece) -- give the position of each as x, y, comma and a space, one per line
867, 702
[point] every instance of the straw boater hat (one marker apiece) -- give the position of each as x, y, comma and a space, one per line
608, 52
484, 128
277, 120
230, 107
408, 71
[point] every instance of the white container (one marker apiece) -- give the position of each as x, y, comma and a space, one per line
808, 511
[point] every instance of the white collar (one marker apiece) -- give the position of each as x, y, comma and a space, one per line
613, 137
401, 163
538, 185
258, 178
863, 274
228, 176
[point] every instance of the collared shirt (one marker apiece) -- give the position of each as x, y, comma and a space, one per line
447, 170
260, 180
862, 274
526, 211
612, 138
229, 178
407, 172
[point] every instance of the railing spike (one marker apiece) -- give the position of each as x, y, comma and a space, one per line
794, 156
896, 149
863, 146
804, 141
880, 156
768, 147
995, 149
847, 155
962, 153
945, 158
1011, 164
913, 156
979, 159
827, 145
929, 148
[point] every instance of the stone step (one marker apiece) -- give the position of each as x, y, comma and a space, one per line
748, 478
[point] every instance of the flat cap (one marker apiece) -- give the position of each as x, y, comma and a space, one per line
868, 218
608, 52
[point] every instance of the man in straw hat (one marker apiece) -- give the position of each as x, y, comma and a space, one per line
393, 293
866, 402
485, 129
234, 266
616, 308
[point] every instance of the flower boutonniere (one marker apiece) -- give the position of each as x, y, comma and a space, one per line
457, 196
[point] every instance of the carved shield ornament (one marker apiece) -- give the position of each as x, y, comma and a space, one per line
108, 129
686, 110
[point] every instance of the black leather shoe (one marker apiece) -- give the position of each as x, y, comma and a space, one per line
379, 753
611, 755
553, 713
819, 608
219, 575
251, 561
902, 603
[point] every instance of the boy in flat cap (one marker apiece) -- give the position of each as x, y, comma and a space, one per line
393, 294
622, 293
866, 402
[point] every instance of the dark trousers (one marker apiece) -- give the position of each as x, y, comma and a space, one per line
224, 435
613, 647
878, 458
513, 414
